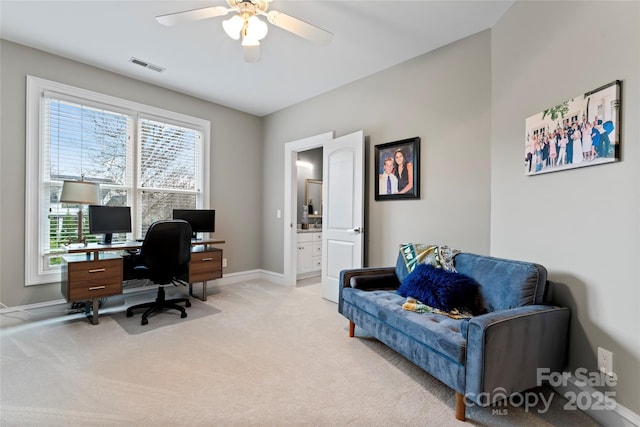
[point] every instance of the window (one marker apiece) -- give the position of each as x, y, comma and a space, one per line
149, 159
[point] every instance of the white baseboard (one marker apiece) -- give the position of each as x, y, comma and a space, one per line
270, 276
620, 416
28, 307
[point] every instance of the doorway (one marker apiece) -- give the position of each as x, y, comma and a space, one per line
309, 216
291, 200
342, 207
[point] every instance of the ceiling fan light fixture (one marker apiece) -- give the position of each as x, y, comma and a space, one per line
233, 26
247, 25
256, 28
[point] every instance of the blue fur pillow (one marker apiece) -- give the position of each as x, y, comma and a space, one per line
440, 289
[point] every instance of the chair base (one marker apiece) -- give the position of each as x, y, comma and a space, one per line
160, 304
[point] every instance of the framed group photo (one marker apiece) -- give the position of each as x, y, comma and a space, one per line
397, 169
582, 131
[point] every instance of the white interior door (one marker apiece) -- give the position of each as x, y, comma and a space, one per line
343, 210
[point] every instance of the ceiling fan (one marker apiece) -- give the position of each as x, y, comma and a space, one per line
247, 25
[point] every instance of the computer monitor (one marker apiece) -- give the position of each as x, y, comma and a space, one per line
201, 220
108, 220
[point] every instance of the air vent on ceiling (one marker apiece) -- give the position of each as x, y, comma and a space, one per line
145, 64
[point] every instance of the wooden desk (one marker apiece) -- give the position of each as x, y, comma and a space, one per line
205, 265
85, 278
92, 272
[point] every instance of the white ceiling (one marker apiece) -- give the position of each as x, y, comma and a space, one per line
202, 61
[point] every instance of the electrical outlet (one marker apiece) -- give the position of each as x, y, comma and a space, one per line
224, 262
605, 361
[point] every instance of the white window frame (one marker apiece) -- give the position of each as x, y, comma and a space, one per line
36, 272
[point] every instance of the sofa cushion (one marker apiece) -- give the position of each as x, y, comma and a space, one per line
441, 289
435, 331
504, 284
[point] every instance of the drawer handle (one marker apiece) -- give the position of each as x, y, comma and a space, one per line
206, 259
97, 270
97, 288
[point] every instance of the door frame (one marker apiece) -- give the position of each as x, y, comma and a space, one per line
291, 150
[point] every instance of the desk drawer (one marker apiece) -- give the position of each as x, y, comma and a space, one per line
205, 266
93, 279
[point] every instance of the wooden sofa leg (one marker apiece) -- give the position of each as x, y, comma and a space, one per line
460, 407
352, 329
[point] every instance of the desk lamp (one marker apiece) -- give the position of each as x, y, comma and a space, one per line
83, 193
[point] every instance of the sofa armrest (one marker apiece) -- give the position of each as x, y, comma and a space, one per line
375, 281
367, 278
347, 277
506, 348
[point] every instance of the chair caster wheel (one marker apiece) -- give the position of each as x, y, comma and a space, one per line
129, 313
144, 322
183, 315
188, 304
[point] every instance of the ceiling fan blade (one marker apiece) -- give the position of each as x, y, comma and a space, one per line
251, 51
172, 19
300, 28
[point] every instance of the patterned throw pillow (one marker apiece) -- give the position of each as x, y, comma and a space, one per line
439, 256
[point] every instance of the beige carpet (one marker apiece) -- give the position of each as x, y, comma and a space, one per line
272, 356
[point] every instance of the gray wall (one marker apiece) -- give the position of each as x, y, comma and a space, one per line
583, 224
236, 166
443, 97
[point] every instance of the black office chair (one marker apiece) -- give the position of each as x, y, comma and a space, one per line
164, 257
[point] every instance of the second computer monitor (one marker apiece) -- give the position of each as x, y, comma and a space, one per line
201, 220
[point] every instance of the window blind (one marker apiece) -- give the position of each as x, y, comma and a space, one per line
82, 142
169, 156
169, 172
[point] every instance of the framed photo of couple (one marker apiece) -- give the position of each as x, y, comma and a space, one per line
397, 166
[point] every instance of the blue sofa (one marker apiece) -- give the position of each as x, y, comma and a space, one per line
484, 358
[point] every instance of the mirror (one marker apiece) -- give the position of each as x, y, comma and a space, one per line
313, 197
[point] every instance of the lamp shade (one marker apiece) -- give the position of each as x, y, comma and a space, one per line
256, 28
233, 26
79, 192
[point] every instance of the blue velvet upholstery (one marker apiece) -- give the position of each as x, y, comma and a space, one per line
493, 354
504, 283
440, 333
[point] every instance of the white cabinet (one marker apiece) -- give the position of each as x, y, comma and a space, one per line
305, 259
316, 251
309, 247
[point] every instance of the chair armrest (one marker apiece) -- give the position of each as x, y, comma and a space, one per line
367, 278
506, 348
